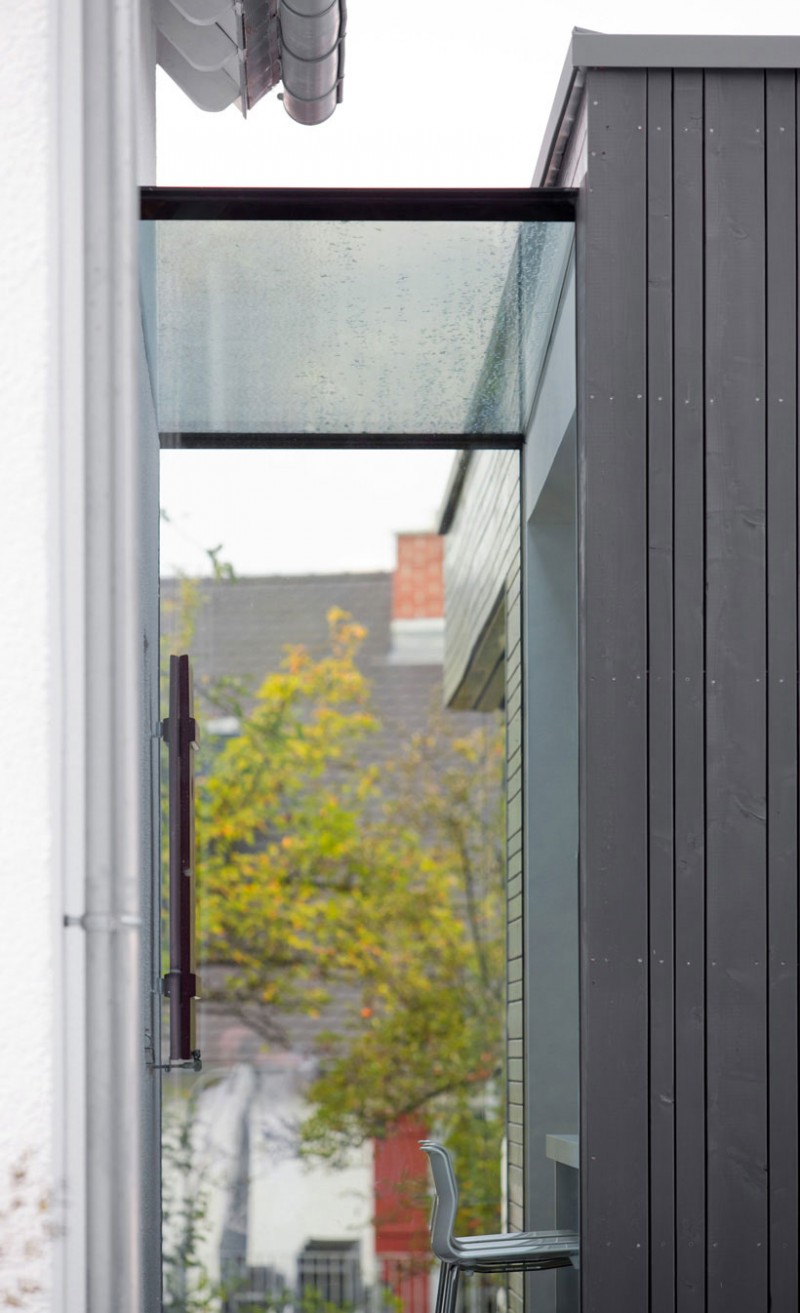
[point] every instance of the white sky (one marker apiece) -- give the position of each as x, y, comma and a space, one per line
443, 93
285, 512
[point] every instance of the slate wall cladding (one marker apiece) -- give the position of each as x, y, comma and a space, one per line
515, 1033
480, 550
688, 362
483, 592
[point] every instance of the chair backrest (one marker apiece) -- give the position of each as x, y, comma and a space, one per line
445, 1205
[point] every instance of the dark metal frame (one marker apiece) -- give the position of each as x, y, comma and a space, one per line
388, 204
430, 204
336, 441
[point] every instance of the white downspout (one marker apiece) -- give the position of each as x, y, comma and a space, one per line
97, 639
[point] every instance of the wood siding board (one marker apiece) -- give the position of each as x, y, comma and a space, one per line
689, 707
612, 454
514, 682
481, 554
514, 809
515, 735
515, 1155
782, 615
511, 548
660, 711
737, 1188
514, 939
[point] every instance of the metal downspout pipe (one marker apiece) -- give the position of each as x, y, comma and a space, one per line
108, 749
312, 61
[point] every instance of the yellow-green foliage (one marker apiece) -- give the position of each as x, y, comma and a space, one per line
316, 872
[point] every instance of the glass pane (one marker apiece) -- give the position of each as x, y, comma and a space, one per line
351, 902
552, 1094
358, 327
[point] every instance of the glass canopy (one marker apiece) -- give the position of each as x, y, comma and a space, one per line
280, 329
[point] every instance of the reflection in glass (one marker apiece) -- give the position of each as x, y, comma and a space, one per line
281, 327
352, 939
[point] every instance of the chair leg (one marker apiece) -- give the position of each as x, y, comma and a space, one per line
441, 1289
447, 1289
455, 1277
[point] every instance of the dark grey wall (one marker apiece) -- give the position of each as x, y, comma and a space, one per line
688, 350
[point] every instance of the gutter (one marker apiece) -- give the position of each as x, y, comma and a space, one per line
588, 49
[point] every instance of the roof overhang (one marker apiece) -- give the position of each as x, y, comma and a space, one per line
609, 50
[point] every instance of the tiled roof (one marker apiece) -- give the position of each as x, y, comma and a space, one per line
244, 626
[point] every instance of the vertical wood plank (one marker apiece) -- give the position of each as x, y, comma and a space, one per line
782, 348
689, 729
613, 611
736, 909
660, 697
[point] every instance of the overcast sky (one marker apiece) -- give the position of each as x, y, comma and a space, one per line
443, 93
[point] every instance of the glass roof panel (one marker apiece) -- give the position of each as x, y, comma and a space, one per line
351, 327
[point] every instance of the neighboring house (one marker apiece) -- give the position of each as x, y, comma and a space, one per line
243, 628
680, 156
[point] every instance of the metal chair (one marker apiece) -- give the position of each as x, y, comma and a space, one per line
514, 1251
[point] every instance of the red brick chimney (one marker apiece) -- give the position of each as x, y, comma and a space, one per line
418, 583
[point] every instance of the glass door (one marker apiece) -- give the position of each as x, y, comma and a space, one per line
334, 371
350, 886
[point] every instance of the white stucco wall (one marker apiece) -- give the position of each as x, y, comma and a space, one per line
43, 148
26, 913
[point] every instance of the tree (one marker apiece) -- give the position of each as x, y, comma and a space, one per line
317, 875
430, 1039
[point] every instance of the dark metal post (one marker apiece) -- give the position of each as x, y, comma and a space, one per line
180, 982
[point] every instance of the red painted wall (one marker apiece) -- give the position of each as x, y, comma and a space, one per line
402, 1237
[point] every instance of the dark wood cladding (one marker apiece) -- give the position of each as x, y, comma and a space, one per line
736, 738
688, 591
661, 1009
613, 728
782, 706
688, 370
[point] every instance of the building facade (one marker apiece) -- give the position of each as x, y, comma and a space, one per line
681, 512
